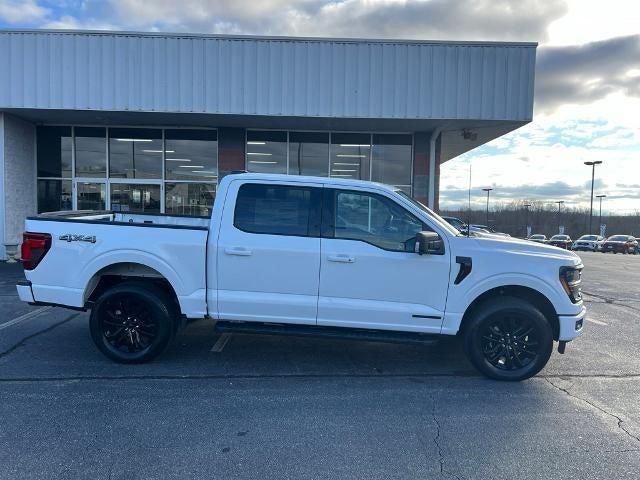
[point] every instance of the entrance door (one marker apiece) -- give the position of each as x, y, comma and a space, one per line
268, 256
90, 195
370, 275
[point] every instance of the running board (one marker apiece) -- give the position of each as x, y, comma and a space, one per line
387, 336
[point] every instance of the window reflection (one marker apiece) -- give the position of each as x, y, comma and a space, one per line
54, 195
191, 155
135, 153
91, 152
391, 160
90, 196
309, 153
267, 152
54, 152
350, 154
135, 198
189, 198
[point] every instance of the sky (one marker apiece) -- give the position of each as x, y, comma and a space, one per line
587, 93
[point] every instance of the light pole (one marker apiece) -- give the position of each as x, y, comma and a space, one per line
560, 203
600, 197
593, 176
487, 190
526, 219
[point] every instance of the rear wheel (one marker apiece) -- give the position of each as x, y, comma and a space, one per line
132, 322
508, 339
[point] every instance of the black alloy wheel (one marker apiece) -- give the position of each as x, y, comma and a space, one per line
510, 342
132, 322
508, 338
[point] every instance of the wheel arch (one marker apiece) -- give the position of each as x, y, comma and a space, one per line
120, 272
531, 295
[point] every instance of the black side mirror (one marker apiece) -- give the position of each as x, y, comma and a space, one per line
429, 243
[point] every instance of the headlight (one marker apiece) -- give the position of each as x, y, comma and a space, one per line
571, 280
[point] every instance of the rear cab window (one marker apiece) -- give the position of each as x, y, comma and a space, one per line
273, 209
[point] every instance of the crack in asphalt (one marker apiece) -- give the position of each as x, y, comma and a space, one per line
24, 341
597, 407
612, 301
436, 441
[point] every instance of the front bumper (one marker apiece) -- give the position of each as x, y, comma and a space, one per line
571, 326
24, 291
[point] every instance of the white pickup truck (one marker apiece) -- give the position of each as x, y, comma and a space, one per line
306, 256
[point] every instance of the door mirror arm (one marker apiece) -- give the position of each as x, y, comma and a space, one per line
429, 243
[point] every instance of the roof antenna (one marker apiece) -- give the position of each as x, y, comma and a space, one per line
469, 206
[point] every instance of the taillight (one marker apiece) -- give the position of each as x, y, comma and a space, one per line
34, 247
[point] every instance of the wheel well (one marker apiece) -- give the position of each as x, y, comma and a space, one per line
534, 297
117, 273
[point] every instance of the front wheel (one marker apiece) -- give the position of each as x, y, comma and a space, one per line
132, 322
508, 339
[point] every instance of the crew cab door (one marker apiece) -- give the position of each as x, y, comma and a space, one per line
268, 254
370, 275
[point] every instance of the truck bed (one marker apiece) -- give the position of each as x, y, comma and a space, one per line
84, 243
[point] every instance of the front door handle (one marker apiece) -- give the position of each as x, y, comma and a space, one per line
342, 258
240, 251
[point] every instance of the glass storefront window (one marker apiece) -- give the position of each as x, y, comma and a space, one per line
91, 152
91, 196
127, 197
54, 152
135, 153
391, 160
267, 152
309, 154
191, 155
350, 154
194, 199
54, 195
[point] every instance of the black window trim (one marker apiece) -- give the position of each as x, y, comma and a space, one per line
315, 209
328, 213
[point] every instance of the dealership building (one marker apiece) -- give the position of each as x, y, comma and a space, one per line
150, 122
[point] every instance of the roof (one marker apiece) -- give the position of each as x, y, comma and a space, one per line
266, 76
276, 177
284, 38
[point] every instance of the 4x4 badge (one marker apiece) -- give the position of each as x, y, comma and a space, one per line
68, 237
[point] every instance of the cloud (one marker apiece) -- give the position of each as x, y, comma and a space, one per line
432, 19
25, 11
586, 73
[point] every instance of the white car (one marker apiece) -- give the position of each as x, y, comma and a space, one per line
306, 256
590, 243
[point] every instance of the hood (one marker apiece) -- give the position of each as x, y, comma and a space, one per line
526, 247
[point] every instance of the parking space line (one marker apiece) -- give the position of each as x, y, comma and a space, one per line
220, 344
597, 322
24, 317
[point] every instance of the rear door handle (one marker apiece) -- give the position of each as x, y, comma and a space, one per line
342, 258
240, 251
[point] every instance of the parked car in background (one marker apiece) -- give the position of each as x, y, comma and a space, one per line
539, 238
562, 241
589, 243
491, 230
620, 244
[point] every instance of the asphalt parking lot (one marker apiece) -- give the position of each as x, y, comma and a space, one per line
282, 407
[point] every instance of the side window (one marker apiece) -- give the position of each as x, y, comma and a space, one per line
376, 220
277, 210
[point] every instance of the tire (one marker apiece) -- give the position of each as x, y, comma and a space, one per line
486, 341
133, 322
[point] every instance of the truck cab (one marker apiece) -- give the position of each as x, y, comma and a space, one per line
308, 256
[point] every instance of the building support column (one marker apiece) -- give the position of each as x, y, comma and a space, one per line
231, 145
18, 192
421, 166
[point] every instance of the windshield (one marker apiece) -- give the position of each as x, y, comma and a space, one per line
432, 215
560, 237
456, 222
588, 237
618, 238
